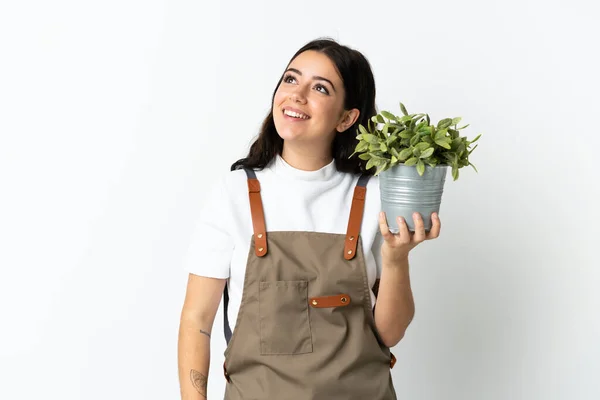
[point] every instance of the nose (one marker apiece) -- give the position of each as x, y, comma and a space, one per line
298, 95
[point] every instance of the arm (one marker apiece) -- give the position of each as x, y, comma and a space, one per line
395, 307
202, 299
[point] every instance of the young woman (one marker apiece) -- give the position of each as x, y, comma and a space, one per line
295, 239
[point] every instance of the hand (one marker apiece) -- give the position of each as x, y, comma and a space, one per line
396, 247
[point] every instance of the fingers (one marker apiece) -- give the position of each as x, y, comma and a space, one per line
384, 228
404, 234
403, 230
419, 235
436, 226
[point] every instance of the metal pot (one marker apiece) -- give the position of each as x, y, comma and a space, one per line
403, 191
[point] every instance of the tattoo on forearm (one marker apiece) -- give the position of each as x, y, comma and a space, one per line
199, 381
204, 332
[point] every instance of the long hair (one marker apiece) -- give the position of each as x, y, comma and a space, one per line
359, 85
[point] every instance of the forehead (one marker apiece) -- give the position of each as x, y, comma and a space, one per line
313, 63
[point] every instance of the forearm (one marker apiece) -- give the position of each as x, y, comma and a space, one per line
395, 306
193, 360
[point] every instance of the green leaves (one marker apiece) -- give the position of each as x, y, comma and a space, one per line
412, 139
362, 130
422, 146
403, 109
370, 138
411, 161
420, 167
445, 123
370, 163
443, 142
405, 153
389, 115
441, 133
427, 153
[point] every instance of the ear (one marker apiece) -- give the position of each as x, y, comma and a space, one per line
348, 119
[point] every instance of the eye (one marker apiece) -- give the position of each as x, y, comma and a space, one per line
289, 79
322, 89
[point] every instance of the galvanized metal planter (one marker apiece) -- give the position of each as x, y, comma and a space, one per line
404, 191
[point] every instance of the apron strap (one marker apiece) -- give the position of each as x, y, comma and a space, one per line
260, 237
356, 216
258, 214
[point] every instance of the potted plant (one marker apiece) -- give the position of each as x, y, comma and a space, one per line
412, 156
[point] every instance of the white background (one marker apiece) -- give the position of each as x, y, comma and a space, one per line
116, 115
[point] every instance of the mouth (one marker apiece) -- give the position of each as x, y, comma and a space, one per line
296, 114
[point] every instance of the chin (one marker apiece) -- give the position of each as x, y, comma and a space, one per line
289, 135
287, 132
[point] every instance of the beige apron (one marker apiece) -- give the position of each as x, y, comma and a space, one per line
305, 328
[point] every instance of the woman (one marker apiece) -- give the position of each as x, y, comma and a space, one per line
295, 237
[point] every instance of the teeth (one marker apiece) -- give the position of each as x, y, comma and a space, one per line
295, 114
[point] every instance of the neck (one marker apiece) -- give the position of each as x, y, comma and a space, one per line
306, 159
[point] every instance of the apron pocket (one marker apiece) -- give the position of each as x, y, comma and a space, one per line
284, 321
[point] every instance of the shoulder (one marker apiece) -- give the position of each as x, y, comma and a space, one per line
233, 185
232, 181
373, 185
372, 202
351, 180
222, 190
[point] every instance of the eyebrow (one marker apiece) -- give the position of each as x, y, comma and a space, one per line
320, 78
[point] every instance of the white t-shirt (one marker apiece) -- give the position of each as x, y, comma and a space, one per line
293, 200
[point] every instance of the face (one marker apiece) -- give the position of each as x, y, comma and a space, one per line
309, 104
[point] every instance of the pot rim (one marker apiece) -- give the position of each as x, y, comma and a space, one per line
426, 165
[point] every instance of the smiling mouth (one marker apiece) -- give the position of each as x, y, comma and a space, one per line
294, 114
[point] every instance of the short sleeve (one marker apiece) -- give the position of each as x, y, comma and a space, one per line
376, 250
211, 246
